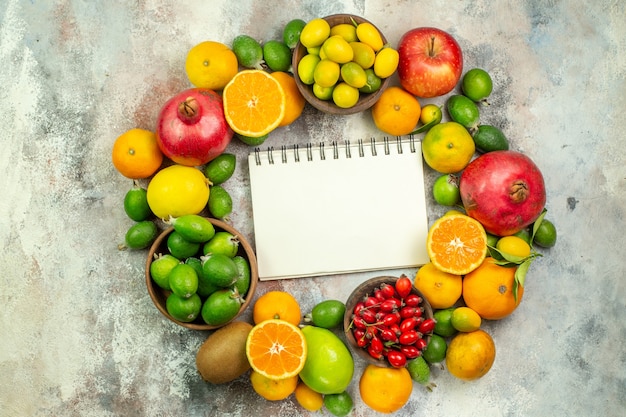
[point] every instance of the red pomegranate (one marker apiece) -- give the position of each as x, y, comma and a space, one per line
191, 128
503, 190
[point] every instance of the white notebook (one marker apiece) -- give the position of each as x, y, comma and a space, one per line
338, 208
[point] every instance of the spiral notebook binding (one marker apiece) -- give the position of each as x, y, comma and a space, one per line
360, 145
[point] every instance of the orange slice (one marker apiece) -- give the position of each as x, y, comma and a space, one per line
457, 244
254, 103
276, 349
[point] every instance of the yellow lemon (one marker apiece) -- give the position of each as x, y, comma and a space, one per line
177, 190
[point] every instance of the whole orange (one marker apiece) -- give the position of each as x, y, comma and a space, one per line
136, 154
441, 289
470, 355
448, 147
396, 112
385, 389
277, 305
294, 104
211, 64
488, 290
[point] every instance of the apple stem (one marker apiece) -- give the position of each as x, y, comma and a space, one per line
431, 47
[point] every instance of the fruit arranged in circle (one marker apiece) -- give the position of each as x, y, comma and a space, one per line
222, 242
456, 244
369, 35
219, 269
513, 245
254, 103
314, 33
435, 351
489, 138
136, 154
273, 389
193, 228
276, 349
386, 62
136, 204
396, 112
464, 319
441, 289
477, 84
488, 290
220, 169
180, 247
470, 355
140, 235
277, 305
385, 390
444, 326
183, 309
448, 147
339, 404
446, 190
277, 55
292, 31
463, 111
420, 372
183, 280
177, 190
220, 202
160, 268
294, 102
221, 307
327, 314
211, 65
248, 51
307, 398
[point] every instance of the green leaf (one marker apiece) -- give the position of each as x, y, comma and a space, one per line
508, 257
425, 127
520, 274
537, 224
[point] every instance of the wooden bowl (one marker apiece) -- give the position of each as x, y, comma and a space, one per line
328, 106
359, 293
159, 295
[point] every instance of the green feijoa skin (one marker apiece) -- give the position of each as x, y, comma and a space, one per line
477, 85
224, 243
243, 277
291, 32
182, 309
205, 288
277, 55
327, 314
180, 247
160, 268
221, 168
489, 138
248, 51
183, 280
463, 111
193, 228
220, 307
140, 235
136, 204
219, 270
220, 202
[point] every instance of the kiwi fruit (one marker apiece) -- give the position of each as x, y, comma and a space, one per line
222, 357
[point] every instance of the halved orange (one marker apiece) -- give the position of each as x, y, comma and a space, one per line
276, 349
457, 244
254, 103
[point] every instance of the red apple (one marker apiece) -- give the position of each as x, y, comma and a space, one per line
191, 128
431, 62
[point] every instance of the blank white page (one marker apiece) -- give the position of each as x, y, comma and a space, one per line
338, 208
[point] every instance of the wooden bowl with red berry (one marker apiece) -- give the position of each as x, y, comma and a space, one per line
388, 321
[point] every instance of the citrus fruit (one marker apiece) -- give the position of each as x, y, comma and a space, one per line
327, 314
385, 389
353, 74
489, 138
435, 351
136, 154
345, 96
221, 307
307, 398
219, 269
277, 55
446, 190
193, 228
345, 30
183, 280
160, 268
386, 62
470, 355
340, 404
140, 235
222, 242
220, 169
337, 49
306, 68
314, 33
292, 31
464, 319
373, 82
463, 111
523, 234
368, 34
220, 202
277, 305
431, 113
443, 325
513, 245
363, 54
456, 244
177, 190
488, 290
183, 309
254, 103
180, 247
545, 235
211, 65
323, 93
250, 141
448, 147
136, 204
477, 84
326, 73
294, 101
248, 51
441, 289
396, 112
276, 349
273, 389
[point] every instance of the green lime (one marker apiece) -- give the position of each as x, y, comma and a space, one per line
353, 74
463, 111
435, 352
292, 31
524, 234
220, 202
219, 269
220, 169
248, 51
444, 327
327, 314
136, 204
205, 288
193, 228
446, 190
477, 84
323, 93
180, 247
489, 138
220, 307
183, 280
373, 82
160, 269
306, 68
277, 56
420, 371
224, 243
250, 141
340, 404
140, 235
492, 241
183, 309
242, 284
546, 234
